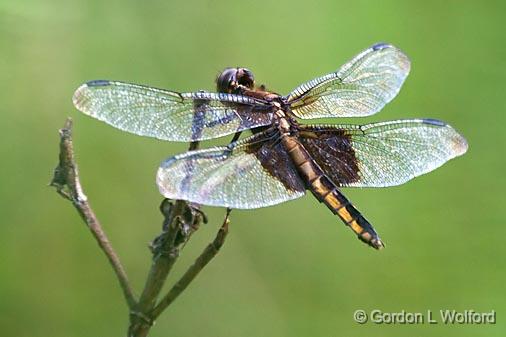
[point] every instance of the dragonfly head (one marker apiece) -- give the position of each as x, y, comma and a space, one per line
232, 79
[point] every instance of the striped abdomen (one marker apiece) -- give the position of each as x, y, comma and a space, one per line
327, 192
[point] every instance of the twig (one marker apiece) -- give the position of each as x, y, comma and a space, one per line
181, 219
67, 184
165, 254
209, 252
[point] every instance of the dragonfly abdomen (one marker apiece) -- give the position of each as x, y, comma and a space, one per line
328, 193
341, 206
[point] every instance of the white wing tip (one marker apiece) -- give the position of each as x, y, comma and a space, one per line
80, 99
460, 144
80, 96
405, 61
164, 184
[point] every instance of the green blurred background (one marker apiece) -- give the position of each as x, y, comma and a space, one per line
290, 270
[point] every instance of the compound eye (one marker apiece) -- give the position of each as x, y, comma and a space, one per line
245, 77
227, 80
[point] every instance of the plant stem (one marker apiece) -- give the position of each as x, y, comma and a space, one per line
181, 219
205, 257
164, 257
67, 184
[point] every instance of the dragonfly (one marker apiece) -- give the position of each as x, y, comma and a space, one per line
282, 158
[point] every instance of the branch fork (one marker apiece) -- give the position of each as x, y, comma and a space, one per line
181, 220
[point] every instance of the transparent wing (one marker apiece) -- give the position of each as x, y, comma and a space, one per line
382, 154
251, 173
361, 87
170, 115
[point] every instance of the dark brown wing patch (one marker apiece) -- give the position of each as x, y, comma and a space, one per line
332, 150
275, 160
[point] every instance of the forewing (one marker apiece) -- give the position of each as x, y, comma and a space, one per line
251, 173
170, 115
359, 88
382, 154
